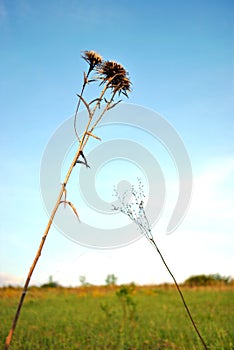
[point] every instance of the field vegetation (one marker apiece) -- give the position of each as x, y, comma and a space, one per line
126, 317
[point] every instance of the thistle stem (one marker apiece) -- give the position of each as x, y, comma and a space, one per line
25, 288
93, 59
82, 144
101, 115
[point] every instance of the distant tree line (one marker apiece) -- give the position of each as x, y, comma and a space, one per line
192, 281
50, 283
207, 280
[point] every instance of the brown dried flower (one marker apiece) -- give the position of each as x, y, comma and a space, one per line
116, 74
93, 58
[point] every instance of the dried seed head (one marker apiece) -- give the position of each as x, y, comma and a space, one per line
116, 74
93, 58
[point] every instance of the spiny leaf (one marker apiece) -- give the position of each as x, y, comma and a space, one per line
96, 99
113, 105
96, 137
72, 206
81, 162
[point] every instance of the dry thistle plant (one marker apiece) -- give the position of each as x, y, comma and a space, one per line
131, 203
114, 79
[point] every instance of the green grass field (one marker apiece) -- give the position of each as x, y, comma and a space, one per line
98, 318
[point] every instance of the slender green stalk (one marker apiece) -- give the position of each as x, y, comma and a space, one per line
152, 241
135, 211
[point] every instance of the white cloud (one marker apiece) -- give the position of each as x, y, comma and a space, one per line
7, 279
202, 244
213, 193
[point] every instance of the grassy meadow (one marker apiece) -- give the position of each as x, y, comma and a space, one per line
118, 318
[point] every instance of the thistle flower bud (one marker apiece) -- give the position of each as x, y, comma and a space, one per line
116, 74
93, 58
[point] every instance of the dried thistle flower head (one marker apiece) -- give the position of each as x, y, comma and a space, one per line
93, 58
116, 74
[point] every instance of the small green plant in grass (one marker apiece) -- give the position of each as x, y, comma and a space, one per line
128, 305
129, 315
127, 312
108, 310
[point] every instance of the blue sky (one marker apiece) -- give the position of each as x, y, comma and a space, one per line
180, 59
